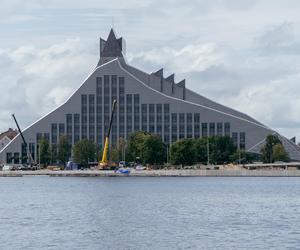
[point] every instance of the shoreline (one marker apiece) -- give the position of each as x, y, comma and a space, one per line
156, 173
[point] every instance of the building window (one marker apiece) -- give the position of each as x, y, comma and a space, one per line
114, 96
196, 125
106, 103
24, 153
129, 113
167, 123
159, 119
92, 117
181, 126
151, 118
227, 129
144, 117
54, 133
219, 129
9, 158
212, 129
136, 101
174, 127
32, 150
61, 129
121, 107
235, 138
76, 127
69, 128
242, 140
204, 129
99, 110
189, 126
83, 117
16, 157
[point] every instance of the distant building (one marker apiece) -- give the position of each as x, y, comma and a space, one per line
6, 137
148, 102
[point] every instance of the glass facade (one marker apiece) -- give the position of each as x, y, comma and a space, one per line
121, 107
99, 110
144, 117
106, 103
136, 102
129, 114
54, 133
219, 129
181, 125
114, 96
235, 138
227, 129
242, 140
204, 129
83, 117
159, 120
151, 118
166, 123
196, 125
76, 128
189, 127
69, 128
212, 131
174, 127
92, 117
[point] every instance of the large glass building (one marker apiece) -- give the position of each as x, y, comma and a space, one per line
148, 102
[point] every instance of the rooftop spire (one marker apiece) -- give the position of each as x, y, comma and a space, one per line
111, 48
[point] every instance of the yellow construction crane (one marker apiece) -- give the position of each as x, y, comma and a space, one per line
104, 164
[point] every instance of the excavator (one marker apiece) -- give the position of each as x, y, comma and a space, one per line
104, 163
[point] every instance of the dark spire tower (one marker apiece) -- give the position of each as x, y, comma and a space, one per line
112, 48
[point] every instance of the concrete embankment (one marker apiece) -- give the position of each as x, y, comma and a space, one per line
158, 173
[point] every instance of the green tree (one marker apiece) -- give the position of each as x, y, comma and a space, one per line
84, 151
63, 150
152, 150
267, 149
279, 153
135, 145
220, 149
45, 152
183, 152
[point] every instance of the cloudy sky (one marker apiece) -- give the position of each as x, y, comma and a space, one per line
244, 54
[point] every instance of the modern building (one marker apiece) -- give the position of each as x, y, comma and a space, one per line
148, 102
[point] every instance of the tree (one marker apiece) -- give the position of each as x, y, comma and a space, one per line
63, 149
279, 153
267, 149
135, 145
220, 149
84, 151
183, 152
152, 150
45, 152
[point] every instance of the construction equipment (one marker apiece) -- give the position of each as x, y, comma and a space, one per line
30, 158
104, 164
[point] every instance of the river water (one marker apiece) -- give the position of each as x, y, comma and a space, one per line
39, 212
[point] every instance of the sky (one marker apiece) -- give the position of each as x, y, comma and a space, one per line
243, 54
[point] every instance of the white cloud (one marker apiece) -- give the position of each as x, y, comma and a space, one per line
38, 79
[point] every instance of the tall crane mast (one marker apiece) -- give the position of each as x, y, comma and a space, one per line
24, 141
104, 161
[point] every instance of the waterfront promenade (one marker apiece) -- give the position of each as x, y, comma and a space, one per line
157, 173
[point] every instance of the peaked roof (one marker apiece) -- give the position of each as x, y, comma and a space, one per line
112, 46
10, 133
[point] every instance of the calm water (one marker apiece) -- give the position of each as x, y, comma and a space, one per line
149, 213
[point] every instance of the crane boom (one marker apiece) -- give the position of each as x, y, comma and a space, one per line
24, 141
104, 161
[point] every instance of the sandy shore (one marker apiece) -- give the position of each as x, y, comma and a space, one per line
157, 173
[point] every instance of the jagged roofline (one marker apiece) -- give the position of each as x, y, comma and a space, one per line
98, 67
196, 104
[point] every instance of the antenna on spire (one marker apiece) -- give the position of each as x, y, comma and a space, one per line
112, 22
